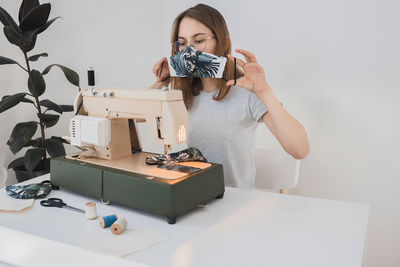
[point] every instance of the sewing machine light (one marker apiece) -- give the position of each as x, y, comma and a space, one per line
182, 133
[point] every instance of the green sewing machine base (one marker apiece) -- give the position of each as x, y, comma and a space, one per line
164, 197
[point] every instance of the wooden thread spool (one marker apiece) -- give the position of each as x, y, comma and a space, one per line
119, 226
91, 212
107, 221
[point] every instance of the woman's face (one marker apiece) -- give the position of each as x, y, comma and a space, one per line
196, 32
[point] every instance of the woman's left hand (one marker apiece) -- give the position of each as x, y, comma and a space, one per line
254, 74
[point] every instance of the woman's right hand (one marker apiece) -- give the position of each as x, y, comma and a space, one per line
161, 71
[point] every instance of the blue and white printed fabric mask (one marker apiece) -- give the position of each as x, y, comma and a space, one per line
190, 62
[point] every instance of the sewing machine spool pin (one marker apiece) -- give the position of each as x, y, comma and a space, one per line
91, 80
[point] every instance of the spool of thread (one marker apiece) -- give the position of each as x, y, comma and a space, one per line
119, 226
91, 212
91, 81
107, 221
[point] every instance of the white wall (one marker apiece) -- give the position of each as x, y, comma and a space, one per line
332, 63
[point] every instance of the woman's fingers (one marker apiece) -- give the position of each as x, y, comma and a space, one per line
239, 82
157, 65
155, 68
231, 82
162, 72
250, 57
160, 69
239, 62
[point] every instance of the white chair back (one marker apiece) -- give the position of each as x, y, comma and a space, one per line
276, 169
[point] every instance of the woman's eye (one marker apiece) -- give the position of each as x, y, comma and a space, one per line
198, 41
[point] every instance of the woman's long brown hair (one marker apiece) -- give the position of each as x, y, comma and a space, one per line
213, 20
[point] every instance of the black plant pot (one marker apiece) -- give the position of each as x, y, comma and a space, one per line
23, 174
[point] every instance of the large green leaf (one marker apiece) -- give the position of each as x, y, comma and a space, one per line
21, 135
37, 142
17, 163
67, 108
11, 101
51, 105
4, 61
50, 119
62, 140
27, 100
26, 6
17, 38
33, 157
32, 36
7, 20
55, 147
26, 41
47, 24
36, 83
36, 18
71, 75
36, 57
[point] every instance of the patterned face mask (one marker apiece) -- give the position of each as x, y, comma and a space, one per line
39, 190
190, 62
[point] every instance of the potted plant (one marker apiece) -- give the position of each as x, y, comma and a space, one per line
33, 20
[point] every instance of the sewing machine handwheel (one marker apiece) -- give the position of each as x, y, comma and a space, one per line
171, 220
220, 196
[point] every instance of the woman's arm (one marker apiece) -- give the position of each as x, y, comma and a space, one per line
289, 132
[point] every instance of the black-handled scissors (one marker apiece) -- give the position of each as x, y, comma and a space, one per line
57, 202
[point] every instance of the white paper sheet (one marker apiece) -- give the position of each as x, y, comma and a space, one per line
8, 203
128, 242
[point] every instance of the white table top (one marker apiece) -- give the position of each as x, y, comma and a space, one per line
245, 228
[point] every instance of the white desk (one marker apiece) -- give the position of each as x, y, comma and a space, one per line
245, 228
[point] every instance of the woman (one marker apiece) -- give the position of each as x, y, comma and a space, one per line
223, 117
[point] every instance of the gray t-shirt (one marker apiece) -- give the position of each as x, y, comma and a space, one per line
224, 131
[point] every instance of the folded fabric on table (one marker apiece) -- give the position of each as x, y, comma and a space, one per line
38, 190
189, 154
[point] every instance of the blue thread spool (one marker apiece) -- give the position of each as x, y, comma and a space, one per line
107, 221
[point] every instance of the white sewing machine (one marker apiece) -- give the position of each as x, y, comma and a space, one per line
105, 128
